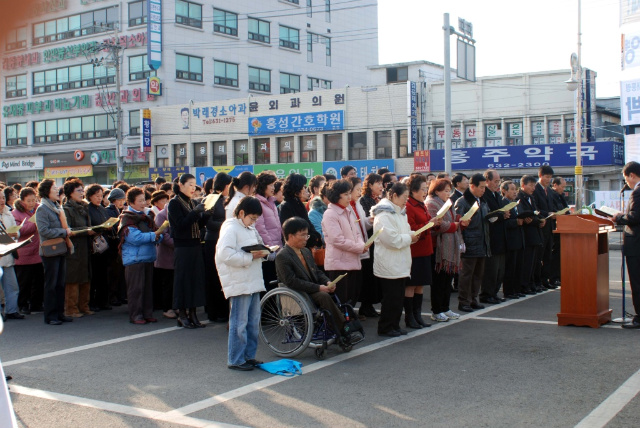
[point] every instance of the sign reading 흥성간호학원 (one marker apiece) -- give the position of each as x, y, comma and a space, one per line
290, 123
481, 158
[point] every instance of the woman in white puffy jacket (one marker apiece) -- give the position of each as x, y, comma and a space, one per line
241, 278
392, 256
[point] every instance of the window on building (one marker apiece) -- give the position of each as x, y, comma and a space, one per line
180, 155
456, 137
515, 134
74, 129
493, 135
289, 38
570, 132
285, 149
188, 13
357, 145
263, 151
383, 144
259, 79
134, 122
241, 152
313, 84
309, 148
137, 13
199, 154
402, 137
555, 132
225, 73
333, 147
327, 10
219, 153
16, 134
289, 83
470, 138
189, 67
225, 22
397, 74
68, 27
259, 30
16, 39
312, 39
309, 8
16, 86
162, 156
293, 1
139, 68
77, 76
537, 132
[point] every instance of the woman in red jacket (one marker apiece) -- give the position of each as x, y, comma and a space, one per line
421, 251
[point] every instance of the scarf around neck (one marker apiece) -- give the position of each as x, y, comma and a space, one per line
189, 205
447, 244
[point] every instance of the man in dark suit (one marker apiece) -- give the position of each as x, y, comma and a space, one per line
532, 233
542, 195
515, 245
297, 270
559, 203
460, 184
631, 222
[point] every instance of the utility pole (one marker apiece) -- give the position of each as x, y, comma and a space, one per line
578, 121
447, 95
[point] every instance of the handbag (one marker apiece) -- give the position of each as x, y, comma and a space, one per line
99, 244
318, 255
288, 368
54, 247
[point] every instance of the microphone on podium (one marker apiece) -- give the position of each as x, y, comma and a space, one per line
626, 187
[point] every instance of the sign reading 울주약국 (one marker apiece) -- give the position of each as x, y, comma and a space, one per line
303, 122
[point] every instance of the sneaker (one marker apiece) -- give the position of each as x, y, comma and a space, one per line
441, 317
355, 337
452, 315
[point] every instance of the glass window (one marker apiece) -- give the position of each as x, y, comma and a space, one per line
259, 30
220, 153
493, 135
101, 122
225, 22
309, 9
402, 135
225, 73
189, 67
285, 149
88, 124
139, 68
515, 134
137, 13
383, 144
259, 79
555, 132
289, 38
289, 83
315, 84
397, 74
327, 10
134, 122
63, 126
312, 39
75, 124
333, 147
188, 13
309, 148
199, 154
97, 21
180, 155
65, 78
357, 145
241, 152
263, 151
16, 86
16, 38
16, 134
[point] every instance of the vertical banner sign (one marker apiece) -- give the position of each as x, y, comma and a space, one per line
154, 32
145, 125
412, 98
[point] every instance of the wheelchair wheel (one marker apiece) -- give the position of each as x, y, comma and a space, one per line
286, 323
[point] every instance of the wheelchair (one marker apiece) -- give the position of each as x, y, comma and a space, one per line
290, 322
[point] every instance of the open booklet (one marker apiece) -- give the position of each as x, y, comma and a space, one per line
259, 247
471, 212
423, 228
106, 225
504, 209
373, 237
557, 213
210, 201
164, 226
607, 211
442, 211
15, 229
8, 248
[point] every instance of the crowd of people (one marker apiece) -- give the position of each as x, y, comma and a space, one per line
313, 233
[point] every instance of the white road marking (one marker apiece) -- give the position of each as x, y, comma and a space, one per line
119, 408
609, 408
518, 320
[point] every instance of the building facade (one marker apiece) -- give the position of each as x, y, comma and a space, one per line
59, 88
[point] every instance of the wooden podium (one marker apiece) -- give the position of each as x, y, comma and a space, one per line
584, 257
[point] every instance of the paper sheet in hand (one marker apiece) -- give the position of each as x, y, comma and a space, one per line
423, 228
373, 237
335, 281
163, 227
557, 213
504, 209
442, 211
211, 200
32, 219
107, 224
607, 211
15, 229
471, 212
7, 248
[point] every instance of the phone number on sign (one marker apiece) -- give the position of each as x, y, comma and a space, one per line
218, 120
517, 165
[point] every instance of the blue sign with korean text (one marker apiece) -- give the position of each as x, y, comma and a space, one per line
413, 116
203, 173
481, 158
363, 167
289, 123
169, 173
154, 33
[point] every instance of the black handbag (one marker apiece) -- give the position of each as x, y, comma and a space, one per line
53, 247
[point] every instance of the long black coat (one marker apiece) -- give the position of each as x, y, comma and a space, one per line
544, 202
532, 231
515, 232
295, 208
476, 235
497, 229
78, 263
631, 222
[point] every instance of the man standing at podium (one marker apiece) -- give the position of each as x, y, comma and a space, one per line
631, 222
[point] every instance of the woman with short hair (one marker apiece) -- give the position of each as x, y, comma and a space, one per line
295, 195
268, 224
100, 261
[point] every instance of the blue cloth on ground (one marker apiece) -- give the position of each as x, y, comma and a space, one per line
282, 367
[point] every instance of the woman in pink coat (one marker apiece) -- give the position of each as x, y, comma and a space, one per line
268, 224
29, 270
344, 242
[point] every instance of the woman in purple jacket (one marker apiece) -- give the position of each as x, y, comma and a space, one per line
268, 224
163, 267
28, 267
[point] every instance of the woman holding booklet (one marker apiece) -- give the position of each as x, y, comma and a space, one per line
100, 261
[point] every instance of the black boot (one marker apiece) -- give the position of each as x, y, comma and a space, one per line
417, 310
194, 318
409, 319
183, 321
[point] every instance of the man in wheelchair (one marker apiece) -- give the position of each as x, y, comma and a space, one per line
297, 270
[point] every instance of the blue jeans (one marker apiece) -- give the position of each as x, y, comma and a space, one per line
244, 321
11, 289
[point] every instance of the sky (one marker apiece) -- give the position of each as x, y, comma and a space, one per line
512, 36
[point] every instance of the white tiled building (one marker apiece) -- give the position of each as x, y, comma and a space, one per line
54, 100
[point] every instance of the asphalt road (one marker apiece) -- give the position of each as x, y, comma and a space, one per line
509, 365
